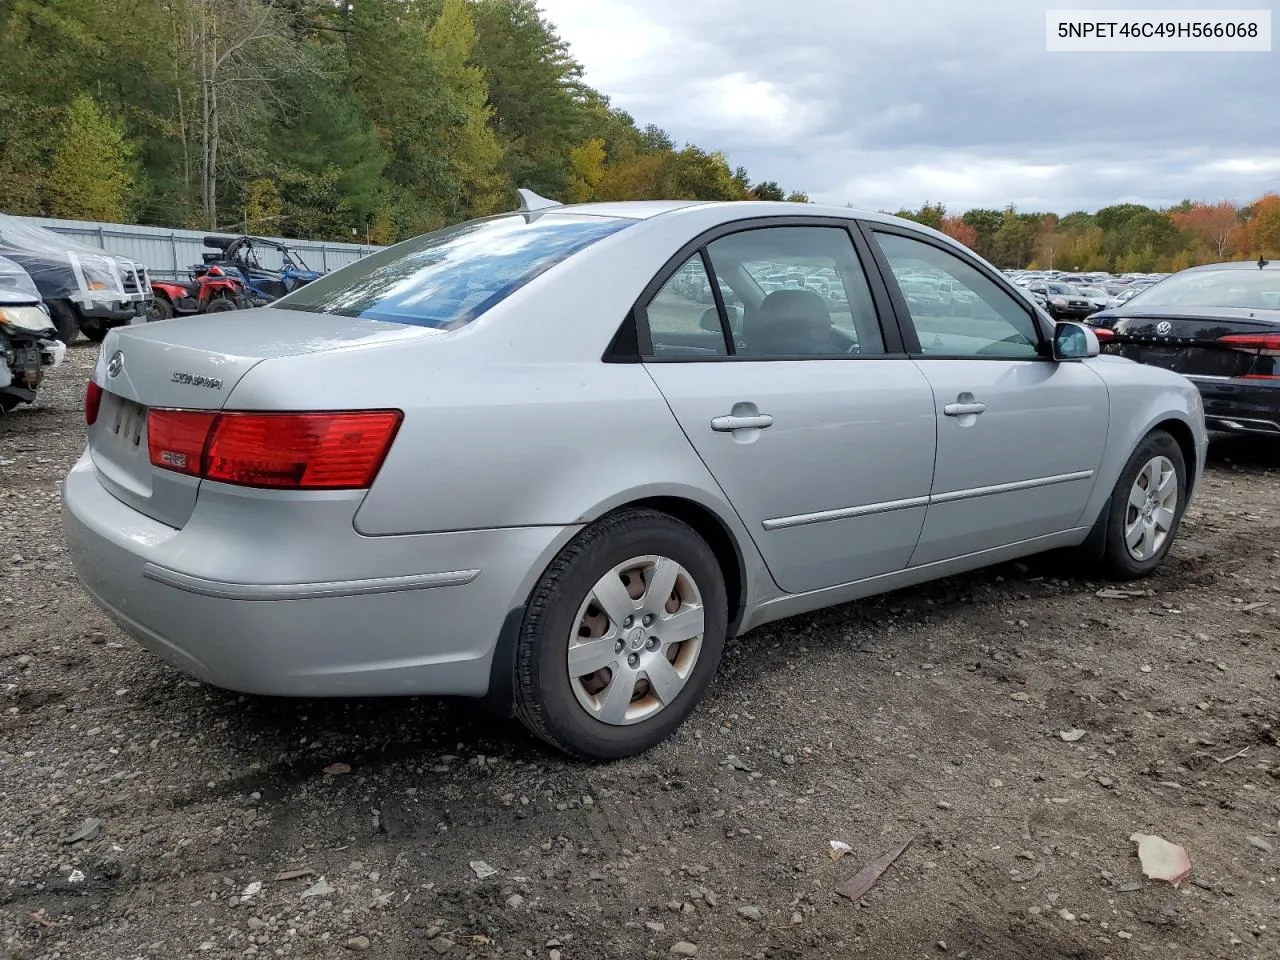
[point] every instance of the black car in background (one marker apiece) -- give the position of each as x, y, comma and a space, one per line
1219, 326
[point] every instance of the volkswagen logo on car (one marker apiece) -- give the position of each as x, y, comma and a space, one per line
115, 364
1163, 328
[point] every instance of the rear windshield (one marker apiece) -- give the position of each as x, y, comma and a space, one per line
1248, 289
448, 278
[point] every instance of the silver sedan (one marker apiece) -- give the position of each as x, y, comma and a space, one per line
519, 459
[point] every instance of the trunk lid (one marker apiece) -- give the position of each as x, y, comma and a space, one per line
193, 364
1192, 343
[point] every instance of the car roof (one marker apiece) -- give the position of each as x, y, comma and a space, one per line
1236, 265
733, 209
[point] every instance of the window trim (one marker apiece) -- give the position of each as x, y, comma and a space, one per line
902, 313
885, 316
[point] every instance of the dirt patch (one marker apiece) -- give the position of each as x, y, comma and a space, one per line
868, 723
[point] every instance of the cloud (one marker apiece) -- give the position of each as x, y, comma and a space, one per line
887, 104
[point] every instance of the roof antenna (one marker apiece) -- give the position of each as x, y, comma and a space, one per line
1261, 262
531, 201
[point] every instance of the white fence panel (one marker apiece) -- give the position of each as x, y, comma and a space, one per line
170, 254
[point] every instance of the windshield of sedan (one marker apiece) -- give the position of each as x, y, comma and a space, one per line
1061, 290
448, 278
1250, 289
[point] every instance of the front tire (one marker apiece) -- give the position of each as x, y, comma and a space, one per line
66, 319
1146, 508
95, 332
621, 636
159, 309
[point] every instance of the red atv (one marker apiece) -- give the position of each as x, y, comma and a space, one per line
208, 291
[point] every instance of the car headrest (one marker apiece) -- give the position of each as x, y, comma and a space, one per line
788, 323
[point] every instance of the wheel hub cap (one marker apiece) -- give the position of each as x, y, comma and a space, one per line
636, 640
1152, 508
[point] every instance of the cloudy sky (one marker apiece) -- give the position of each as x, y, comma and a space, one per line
891, 103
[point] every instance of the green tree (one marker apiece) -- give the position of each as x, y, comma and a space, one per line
535, 88
91, 175
695, 174
472, 148
587, 161
1014, 242
768, 190
326, 158
929, 214
986, 223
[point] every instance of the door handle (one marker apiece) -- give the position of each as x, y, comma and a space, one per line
729, 423
960, 409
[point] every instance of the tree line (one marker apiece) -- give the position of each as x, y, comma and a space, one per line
382, 119
1123, 238
325, 119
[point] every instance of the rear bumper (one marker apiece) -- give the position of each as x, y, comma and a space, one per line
1070, 313
1240, 406
375, 616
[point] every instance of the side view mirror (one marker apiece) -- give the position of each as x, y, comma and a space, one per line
1074, 341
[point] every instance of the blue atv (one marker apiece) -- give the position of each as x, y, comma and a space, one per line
239, 256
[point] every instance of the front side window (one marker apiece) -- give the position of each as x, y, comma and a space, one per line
955, 309
448, 278
802, 292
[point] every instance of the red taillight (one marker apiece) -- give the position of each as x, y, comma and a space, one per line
1103, 333
1264, 344
176, 439
342, 450
92, 401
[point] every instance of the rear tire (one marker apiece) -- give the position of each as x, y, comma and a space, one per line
95, 332
1146, 508
617, 710
66, 319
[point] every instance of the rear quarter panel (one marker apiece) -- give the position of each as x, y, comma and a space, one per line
1142, 398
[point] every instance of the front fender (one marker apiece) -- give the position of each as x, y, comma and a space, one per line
1142, 399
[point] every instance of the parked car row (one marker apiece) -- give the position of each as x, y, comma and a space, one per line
1072, 296
86, 290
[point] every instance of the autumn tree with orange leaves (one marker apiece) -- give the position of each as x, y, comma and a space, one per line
1212, 224
958, 230
1259, 234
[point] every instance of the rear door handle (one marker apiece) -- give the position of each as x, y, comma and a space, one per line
729, 423
960, 409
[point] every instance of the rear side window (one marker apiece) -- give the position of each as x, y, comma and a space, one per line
448, 278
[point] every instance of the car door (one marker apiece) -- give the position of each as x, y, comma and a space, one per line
1020, 436
820, 437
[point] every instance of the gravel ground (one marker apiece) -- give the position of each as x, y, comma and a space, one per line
145, 815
